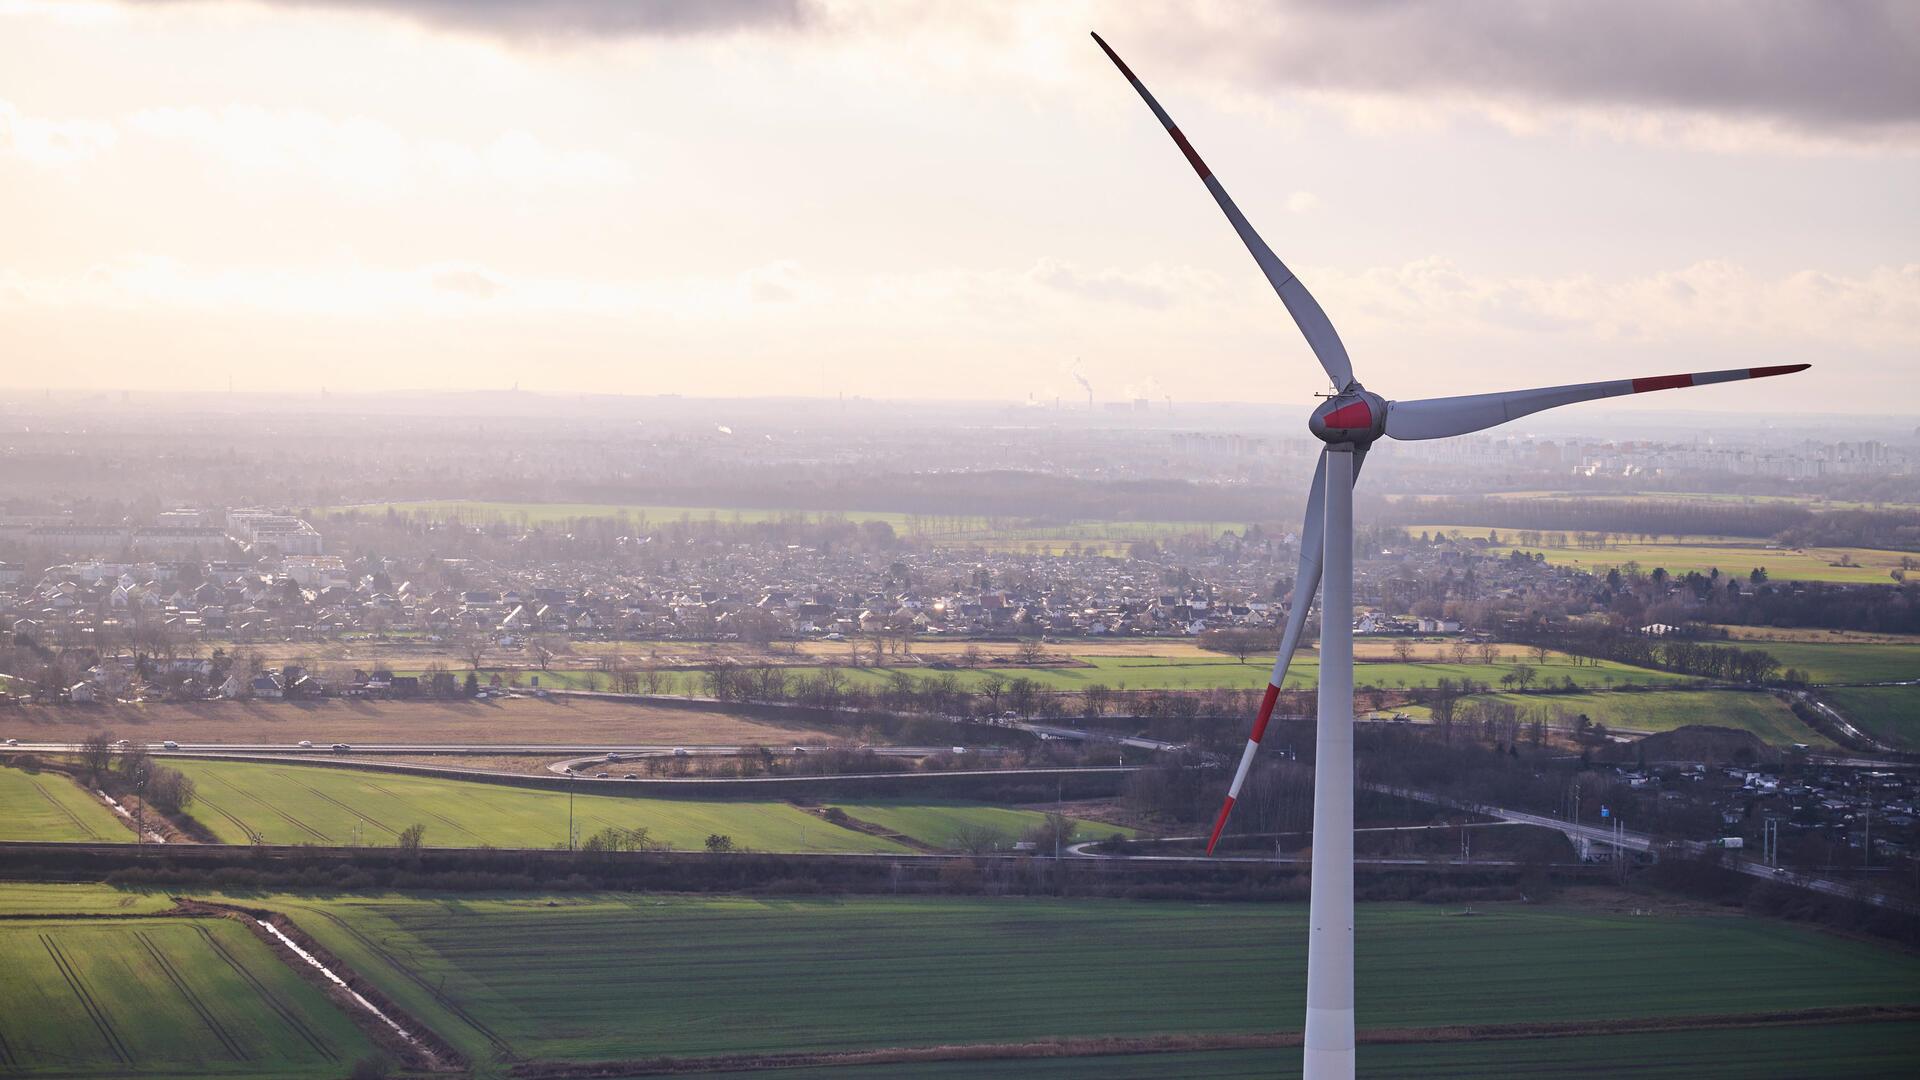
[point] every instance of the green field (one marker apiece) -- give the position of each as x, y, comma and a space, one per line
160, 997
1888, 713
1663, 710
938, 823
678, 975
1224, 672
616, 976
256, 802
48, 807
998, 533
1710, 497
247, 802
1735, 556
1203, 671
1879, 1051
1844, 662
27, 898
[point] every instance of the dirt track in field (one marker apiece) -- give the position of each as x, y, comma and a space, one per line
508, 721
1167, 1044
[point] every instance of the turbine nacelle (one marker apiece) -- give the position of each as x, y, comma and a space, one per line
1354, 416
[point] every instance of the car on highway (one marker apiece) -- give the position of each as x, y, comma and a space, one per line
13, 742
305, 744
629, 776
122, 744
341, 748
799, 749
679, 751
599, 776
169, 745
613, 757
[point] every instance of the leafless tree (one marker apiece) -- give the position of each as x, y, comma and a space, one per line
96, 754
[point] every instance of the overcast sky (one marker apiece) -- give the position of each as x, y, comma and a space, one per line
958, 200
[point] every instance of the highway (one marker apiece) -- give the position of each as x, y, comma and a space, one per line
1637, 841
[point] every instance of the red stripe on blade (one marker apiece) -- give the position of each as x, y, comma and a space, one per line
1784, 369
1115, 57
1266, 712
1662, 382
1193, 159
1219, 823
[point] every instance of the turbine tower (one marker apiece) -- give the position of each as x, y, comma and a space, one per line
1349, 422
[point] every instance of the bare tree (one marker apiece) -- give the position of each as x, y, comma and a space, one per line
1403, 650
96, 754
1030, 652
474, 647
1443, 703
1096, 698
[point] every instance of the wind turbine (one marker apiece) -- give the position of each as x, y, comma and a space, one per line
1349, 422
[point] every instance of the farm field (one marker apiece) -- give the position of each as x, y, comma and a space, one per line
249, 802
1847, 662
402, 652
47, 806
1816, 636
822, 974
939, 823
1189, 669
1707, 497
1763, 714
1211, 671
995, 533
29, 898
1735, 556
508, 721
1888, 713
160, 997
1876, 1051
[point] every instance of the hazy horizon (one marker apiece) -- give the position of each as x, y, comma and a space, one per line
794, 197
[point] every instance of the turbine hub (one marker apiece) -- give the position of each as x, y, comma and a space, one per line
1353, 416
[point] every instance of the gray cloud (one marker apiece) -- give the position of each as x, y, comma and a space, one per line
522, 20
1815, 64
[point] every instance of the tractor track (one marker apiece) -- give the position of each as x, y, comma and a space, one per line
406, 970
253, 836
444, 820
101, 1022
220, 1032
366, 817
265, 805
282, 1009
68, 812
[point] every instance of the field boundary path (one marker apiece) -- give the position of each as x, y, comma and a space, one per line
1169, 1044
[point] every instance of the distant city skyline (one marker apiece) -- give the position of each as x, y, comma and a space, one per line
955, 202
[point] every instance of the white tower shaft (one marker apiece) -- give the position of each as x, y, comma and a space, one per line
1329, 1038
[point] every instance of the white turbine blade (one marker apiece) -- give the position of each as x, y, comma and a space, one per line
1437, 418
1306, 582
1305, 310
